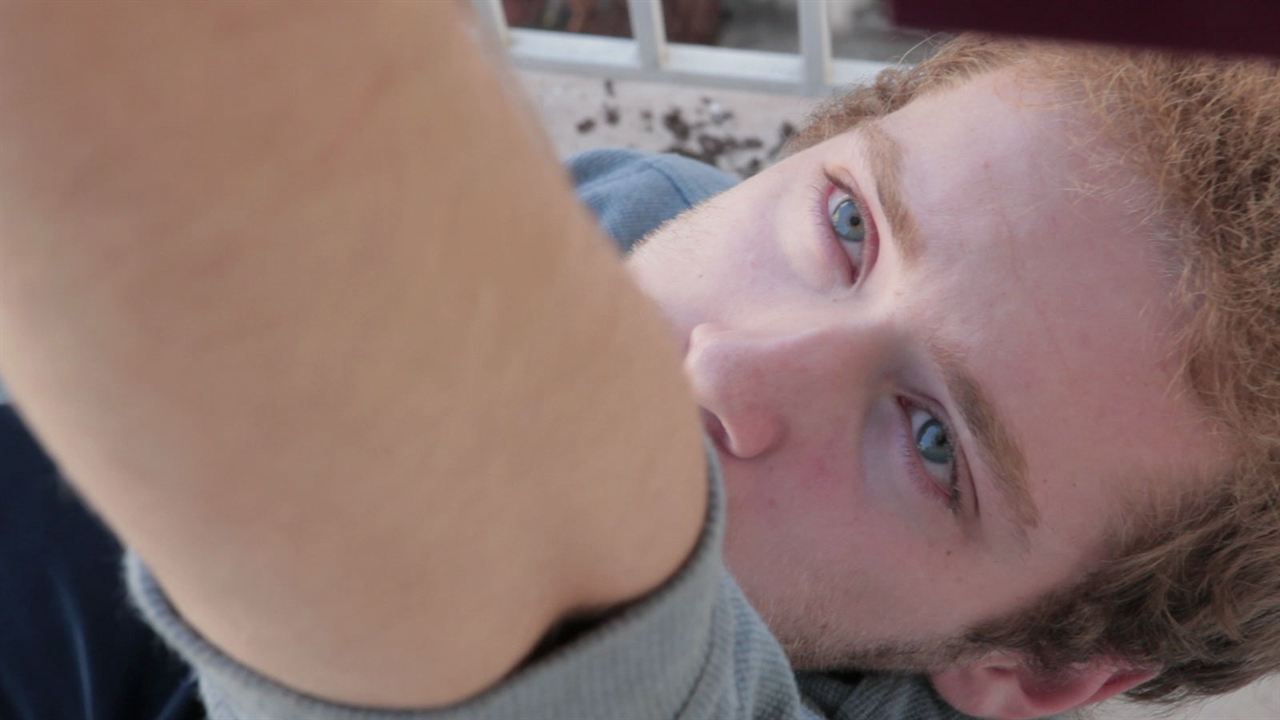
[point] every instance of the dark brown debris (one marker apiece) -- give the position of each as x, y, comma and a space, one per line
674, 122
698, 133
714, 146
785, 132
751, 168
705, 141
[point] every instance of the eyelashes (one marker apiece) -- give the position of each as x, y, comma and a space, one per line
828, 196
948, 489
825, 209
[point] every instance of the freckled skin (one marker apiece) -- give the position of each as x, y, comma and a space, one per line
1033, 286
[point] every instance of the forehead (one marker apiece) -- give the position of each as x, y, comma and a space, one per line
1036, 266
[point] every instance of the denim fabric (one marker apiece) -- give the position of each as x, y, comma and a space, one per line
632, 193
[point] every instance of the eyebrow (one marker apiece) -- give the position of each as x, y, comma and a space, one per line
885, 156
997, 445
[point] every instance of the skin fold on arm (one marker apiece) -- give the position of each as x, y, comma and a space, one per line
303, 306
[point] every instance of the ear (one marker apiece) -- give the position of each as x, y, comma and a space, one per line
1004, 686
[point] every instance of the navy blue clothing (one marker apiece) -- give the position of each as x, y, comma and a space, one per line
71, 646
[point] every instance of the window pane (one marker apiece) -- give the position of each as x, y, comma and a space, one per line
593, 17
861, 30
752, 24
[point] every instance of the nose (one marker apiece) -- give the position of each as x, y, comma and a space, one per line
758, 388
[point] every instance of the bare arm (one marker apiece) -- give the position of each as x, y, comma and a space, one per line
301, 303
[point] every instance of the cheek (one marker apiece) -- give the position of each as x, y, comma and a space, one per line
819, 472
787, 527
810, 539
727, 260
797, 501
702, 260
809, 507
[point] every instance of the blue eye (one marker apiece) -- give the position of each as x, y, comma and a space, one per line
936, 451
846, 219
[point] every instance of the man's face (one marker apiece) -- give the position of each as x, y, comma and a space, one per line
931, 412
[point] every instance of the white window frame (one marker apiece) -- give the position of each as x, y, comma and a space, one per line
648, 56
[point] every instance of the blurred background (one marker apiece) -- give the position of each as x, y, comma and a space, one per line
860, 29
738, 131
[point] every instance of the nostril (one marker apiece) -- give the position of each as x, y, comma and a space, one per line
715, 429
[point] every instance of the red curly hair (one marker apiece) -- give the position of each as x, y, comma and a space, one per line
1192, 584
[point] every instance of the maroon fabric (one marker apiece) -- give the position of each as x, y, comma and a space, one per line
1224, 26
